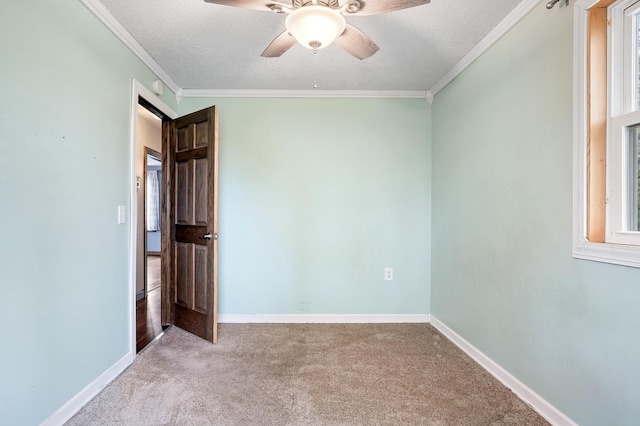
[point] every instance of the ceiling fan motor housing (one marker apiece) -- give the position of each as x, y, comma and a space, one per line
349, 7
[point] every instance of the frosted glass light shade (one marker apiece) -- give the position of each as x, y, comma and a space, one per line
315, 27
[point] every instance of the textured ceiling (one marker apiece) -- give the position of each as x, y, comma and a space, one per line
211, 47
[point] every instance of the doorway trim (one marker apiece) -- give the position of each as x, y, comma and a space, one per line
137, 90
148, 152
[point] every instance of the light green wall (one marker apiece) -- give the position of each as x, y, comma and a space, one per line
65, 82
317, 197
503, 276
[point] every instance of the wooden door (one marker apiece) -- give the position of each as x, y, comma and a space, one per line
190, 246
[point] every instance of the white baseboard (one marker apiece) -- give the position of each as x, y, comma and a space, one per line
544, 408
321, 319
64, 413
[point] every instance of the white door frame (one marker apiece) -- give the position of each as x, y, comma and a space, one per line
137, 90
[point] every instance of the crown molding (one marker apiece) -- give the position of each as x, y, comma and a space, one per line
125, 37
428, 97
95, 7
363, 94
489, 40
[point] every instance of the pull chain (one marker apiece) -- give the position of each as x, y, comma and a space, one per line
315, 69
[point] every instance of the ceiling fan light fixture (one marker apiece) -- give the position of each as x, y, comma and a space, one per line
315, 27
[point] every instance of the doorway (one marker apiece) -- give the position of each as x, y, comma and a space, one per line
188, 147
149, 223
141, 97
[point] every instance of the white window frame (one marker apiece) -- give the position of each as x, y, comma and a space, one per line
622, 62
617, 172
621, 14
620, 252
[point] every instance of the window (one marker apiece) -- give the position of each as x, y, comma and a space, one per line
607, 131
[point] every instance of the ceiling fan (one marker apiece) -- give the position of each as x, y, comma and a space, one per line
315, 24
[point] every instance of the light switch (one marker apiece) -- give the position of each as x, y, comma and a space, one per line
121, 215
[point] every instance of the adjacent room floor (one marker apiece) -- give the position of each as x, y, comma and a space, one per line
306, 374
148, 325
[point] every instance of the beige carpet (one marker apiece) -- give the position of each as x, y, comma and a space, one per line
304, 374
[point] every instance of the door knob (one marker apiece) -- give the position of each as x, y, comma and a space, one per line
207, 236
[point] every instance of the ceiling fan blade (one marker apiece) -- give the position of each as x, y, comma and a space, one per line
264, 5
376, 7
356, 43
279, 45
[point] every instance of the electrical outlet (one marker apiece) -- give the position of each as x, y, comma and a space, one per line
388, 274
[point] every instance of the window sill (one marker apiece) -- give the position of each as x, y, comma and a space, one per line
617, 254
